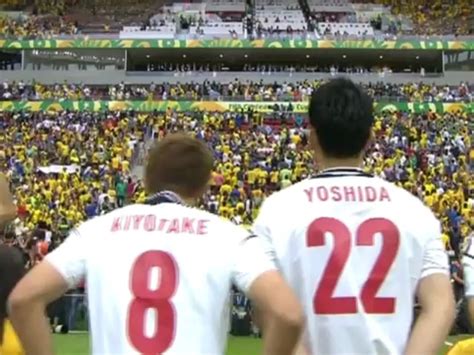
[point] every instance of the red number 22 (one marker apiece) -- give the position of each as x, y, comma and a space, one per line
146, 297
324, 302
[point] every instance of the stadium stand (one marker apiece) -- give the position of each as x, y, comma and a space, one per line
335, 18
164, 30
437, 17
232, 91
215, 19
229, 18
345, 29
425, 153
273, 16
35, 27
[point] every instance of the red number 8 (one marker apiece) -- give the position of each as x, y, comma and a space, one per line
148, 298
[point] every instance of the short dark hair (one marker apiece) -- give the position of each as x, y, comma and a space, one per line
12, 269
178, 163
342, 115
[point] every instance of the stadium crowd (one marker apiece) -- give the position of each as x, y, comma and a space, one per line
443, 17
437, 17
38, 27
64, 167
67, 167
235, 90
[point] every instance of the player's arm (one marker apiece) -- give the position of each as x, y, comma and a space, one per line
262, 230
258, 317
62, 269
7, 207
469, 275
435, 296
279, 310
468, 263
470, 308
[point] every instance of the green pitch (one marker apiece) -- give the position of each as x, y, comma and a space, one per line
75, 344
78, 344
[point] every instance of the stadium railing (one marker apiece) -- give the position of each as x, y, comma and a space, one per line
308, 35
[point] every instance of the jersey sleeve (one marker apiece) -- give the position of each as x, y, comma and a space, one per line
468, 263
261, 226
69, 259
262, 229
252, 260
435, 258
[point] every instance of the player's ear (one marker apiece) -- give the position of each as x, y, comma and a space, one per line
370, 140
194, 198
314, 144
313, 139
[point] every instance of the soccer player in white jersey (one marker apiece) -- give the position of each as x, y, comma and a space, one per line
159, 275
357, 249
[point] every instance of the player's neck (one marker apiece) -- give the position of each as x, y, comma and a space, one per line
189, 201
168, 196
331, 163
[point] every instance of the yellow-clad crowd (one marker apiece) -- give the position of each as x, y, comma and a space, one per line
54, 7
61, 163
435, 17
441, 175
238, 90
67, 167
438, 17
35, 27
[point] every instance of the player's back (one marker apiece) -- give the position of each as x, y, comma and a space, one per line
158, 280
468, 264
353, 248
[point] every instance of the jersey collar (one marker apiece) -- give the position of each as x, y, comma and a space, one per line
164, 197
341, 172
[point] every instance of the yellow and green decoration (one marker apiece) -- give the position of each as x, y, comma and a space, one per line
85, 43
211, 106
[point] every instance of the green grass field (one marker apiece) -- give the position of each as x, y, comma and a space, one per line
73, 344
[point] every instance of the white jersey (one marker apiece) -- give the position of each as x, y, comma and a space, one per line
159, 277
468, 265
354, 248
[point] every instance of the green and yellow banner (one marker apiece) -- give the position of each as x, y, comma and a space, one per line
85, 43
212, 106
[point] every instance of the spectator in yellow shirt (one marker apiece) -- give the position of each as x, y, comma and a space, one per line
465, 347
446, 241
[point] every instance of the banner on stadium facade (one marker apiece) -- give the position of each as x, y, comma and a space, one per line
212, 106
89, 43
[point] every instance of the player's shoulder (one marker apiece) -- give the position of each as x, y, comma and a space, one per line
103, 222
286, 196
221, 227
468, 248
408, 204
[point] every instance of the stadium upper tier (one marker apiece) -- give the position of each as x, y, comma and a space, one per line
309, 19
436, 17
